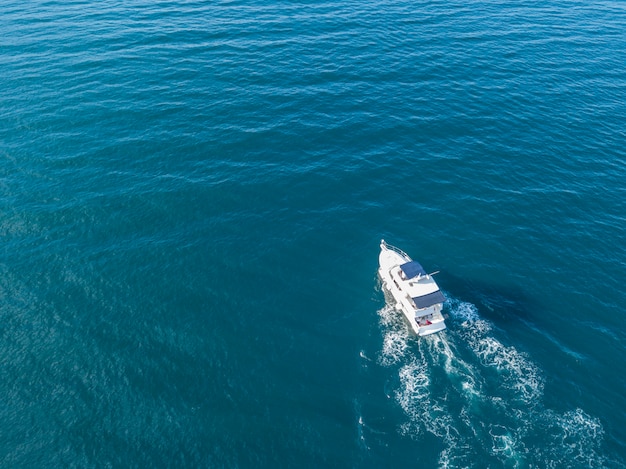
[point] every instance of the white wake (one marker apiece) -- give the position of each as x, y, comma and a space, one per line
481, 398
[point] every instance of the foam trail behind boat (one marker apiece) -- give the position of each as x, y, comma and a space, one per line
470, 390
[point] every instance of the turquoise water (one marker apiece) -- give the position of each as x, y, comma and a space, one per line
191, 200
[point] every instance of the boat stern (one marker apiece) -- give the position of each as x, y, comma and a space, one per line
431, 328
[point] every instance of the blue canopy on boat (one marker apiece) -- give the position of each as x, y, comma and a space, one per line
412, 269
429, 300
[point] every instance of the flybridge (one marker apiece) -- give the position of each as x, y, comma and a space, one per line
413, 269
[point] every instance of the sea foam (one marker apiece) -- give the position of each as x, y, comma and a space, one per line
470, 390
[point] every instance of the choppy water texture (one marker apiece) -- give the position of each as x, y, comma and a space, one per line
191, 199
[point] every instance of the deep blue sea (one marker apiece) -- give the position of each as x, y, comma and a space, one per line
192, 196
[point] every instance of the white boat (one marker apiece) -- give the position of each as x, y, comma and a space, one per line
414, 292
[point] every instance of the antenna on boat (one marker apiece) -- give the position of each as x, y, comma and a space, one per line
434, 273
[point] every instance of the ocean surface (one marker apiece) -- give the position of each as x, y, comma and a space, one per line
192, 196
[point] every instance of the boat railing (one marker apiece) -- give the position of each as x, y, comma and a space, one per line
394, 249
